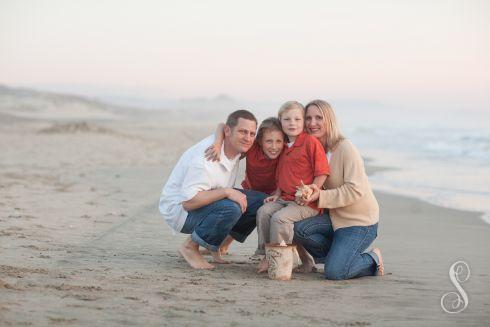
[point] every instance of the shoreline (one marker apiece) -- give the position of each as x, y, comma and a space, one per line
407, 180
372, 170
480, 215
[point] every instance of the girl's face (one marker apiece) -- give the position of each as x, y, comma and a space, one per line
272, 143
315, 125
292, 122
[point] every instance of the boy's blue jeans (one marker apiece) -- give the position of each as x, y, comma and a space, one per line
210, 224
341, 250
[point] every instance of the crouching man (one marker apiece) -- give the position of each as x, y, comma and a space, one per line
199, 198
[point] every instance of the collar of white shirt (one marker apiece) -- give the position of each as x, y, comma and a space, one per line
229, 164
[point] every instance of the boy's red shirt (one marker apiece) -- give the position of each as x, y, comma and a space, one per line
260, 172
303, 161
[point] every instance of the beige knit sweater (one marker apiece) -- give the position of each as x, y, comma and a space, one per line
347, 194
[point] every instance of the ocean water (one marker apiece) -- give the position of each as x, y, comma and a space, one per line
442, 161
437, 154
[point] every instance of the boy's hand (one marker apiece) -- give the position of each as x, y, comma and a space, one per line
312, 196
272, 198
303, 192
213, 152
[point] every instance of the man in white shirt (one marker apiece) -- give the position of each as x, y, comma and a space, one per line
199, 198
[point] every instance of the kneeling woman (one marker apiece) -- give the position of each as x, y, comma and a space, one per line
340, 236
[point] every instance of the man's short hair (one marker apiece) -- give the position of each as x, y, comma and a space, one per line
232, 119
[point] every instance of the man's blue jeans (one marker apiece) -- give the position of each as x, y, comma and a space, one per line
210, 224
341, 250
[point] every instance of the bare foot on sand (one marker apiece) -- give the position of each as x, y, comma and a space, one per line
305, 268
307, 262
190, 251
262, 266
204, 251
217, 257
223, 248
380, 269
207, 252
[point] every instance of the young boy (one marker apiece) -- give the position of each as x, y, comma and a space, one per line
303, 161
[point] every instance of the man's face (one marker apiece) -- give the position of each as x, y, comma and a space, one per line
241, 137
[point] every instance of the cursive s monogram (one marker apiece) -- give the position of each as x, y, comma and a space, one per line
455, 302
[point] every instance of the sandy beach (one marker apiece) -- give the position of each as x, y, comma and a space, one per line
82, 242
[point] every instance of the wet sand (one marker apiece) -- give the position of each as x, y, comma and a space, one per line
82, 243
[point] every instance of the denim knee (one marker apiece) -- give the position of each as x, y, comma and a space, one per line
335, 272
299, 232
231, 208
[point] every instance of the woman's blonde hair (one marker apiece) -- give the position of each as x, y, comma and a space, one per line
290, 105
269, 124
333, 134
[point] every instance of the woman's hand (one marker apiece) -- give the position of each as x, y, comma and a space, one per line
272, 198
213, 152
313, 197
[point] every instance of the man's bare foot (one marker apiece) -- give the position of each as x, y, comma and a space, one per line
207, 252
305, 268
223, 248
380, 269
262, 266
204, 251
217, 257
225, 245
190, 252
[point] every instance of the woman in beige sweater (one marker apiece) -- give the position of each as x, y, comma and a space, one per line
349, 222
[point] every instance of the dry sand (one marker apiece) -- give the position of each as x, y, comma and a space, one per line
82, 243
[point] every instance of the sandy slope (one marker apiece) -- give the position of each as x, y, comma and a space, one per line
82, 243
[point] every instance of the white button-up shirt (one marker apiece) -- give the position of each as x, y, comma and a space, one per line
192, 174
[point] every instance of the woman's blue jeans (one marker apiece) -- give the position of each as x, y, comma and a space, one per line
341, 250
210, 224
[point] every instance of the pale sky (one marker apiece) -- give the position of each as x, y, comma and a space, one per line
258, 50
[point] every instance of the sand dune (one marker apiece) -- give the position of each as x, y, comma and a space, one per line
76, 127
31, 104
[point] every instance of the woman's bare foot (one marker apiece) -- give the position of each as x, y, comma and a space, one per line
380, 269
217, 257
262, 266
189, 250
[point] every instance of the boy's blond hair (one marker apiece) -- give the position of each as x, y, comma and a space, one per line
290, 105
